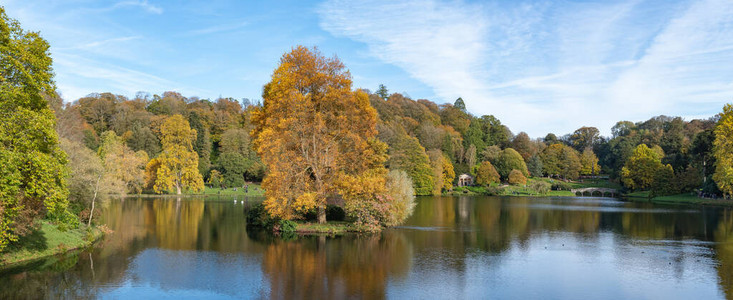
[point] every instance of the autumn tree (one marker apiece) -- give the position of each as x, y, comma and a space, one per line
523, 145
443, 171
124, 169
312, 132
589, 163
570, 164
177, 165
86, 177
561, 160
33, 172
722, 150
640, 170
516, 178
486, 174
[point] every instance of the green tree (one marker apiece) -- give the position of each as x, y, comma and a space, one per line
722, 151
510, 160
534, 166
233, 168
459, 104
178, 163
641, 168
664, 182
584, 137
382, 92
552, 159
237, 140
33, 173
408, 155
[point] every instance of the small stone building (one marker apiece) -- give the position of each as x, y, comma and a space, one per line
465, 180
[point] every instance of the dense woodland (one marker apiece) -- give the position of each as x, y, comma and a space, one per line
431, 142
109, 144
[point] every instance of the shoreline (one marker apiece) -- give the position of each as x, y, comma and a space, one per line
77, 238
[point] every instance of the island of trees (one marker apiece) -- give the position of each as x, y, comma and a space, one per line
314, 141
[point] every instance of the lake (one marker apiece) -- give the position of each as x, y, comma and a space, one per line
451, 248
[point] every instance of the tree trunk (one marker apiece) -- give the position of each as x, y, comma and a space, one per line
96, 190
322, 214
178, 189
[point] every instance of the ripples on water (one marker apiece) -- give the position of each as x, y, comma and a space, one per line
452, 247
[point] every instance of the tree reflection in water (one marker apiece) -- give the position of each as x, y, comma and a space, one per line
164, 246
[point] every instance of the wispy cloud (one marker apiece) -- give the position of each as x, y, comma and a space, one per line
554, 67
144, 4
82, 74
217, 29
98, 44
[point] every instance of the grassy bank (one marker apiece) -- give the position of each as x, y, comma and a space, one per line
525, 190
254, 190
47, 241
686, 198
332, 227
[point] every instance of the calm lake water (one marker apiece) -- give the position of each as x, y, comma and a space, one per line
452, 247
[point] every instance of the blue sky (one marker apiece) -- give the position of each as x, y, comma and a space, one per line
539, 66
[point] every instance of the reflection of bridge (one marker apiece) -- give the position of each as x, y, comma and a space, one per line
595, 191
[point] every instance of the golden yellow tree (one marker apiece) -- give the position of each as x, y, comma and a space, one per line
177, 165
312, 131
722, 150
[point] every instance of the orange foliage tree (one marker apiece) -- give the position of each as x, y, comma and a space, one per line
312, 132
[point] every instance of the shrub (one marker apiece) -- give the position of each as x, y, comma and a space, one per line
516, 177
402, 196
493, 191
258, 216
560, 186
286, 226
540, 187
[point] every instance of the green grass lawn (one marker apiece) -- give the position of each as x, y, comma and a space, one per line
684, 198
253, 190
47, 241
331, 227
525, 190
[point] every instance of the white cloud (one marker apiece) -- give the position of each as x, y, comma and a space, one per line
553, 68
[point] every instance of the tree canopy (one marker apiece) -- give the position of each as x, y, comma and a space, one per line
723, 152
311, 132
33, 173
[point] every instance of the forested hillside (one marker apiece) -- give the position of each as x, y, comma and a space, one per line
432, 142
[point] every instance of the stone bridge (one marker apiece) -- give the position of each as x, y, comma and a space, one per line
591, 191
